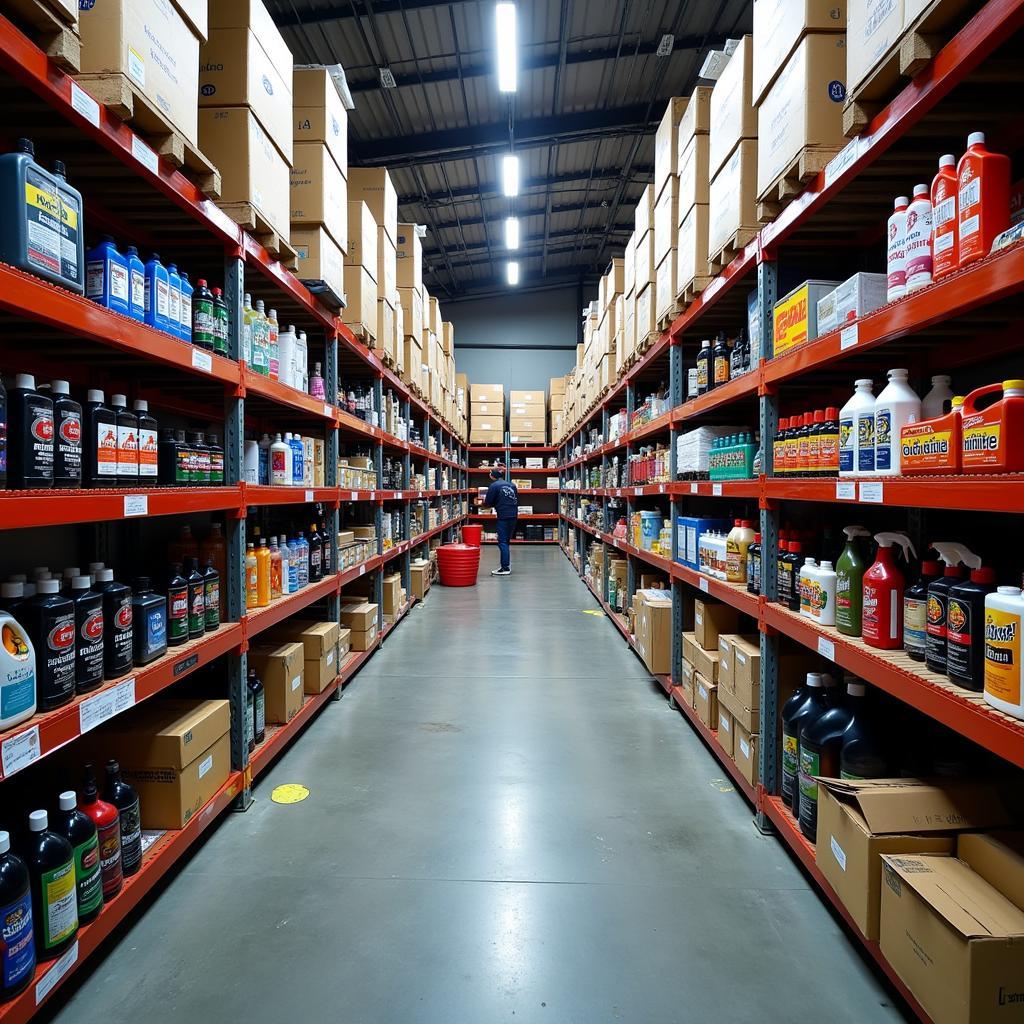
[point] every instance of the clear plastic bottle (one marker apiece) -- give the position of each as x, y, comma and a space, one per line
286, 356
251, 577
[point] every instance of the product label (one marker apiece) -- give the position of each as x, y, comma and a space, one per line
790, 766
981, 442
847, 439
1002, 655
866, 442
828, 451
197, 610
58, 662
211, 604
17, 944
177, 614
109, 837
927, 446
216, 467
919, 245
42, 214
59, 905
127, 451
915, 619
156, 630
778, 456
721, 369
87, 876
174, 306
810, 767
883, 439
70, 221
119, 648
148, 445
186, 313
790, 321
873, 624
69, 445
39, 462
118, 283
106, 449
259, 705
131, 837
18, 691
90, 646
163, 298
897, 254
137, 296
959, 638
204, 322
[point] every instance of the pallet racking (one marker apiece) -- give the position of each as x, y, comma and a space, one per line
477, 474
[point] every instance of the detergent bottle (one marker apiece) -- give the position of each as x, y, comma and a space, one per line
853, 438
944, 244
804, 585
850, 571
17, 671
938, 604
965, 618
919, 240
896, 405
896, 260
915, 610
1004, 671
983, 201
992, 437
822, 594
173, 325
883, 594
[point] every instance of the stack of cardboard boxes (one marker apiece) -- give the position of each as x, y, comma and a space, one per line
556, 405
324, 646
487, 414
611, 314
360, 272
666, 207
645, 309
360, 618
409, 342
693, 149
527, 418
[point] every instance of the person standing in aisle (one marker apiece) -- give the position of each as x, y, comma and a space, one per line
503, 497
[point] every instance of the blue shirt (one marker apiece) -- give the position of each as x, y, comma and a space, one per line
503, 497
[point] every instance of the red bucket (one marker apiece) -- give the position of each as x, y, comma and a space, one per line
458, 564
472, 534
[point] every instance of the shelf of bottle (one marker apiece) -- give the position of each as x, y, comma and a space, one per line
528, 515
287, 396
733, 594
256, 620
580, 525
515, 540
660, 424
700, 488
254, 494
353, 425
353, 572
434, 531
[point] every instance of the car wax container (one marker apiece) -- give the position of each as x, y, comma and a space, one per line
30, 435
80, 831
965, 624
49, 620
118, 625
67, 432
100, 449
108, 832
88, 635
147, 440
126, 800
127, 442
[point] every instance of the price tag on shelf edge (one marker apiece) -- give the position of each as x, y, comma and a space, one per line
309, 496
694, 488
98, 709
17, 752
146, 156
53, 977
845, 158
703, 584
826, 648
846, 490
136, 505
202, 360
848, 337
716, 490
871, 491
82, 102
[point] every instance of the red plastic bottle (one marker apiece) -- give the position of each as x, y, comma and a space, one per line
983, 201
108, 831
882, 621
944, 246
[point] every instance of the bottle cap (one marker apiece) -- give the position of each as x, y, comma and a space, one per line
118, 401
1013, 385
27, 146
40, 572
956, 401
901, 201
95, 395
947, 160
141, 583
976, 139
832, 413
5, 842
942, 378
819, 415
60, 387
920, 190
81, 583
212, 439
48, 586
104, 575
856, 689
30, 590
68, 800
217, 292
1009, 591
140, 405
808, 418
983, 574
814, 679
12, 589
25, 381
825, 564
898, 374
38, 820
864, 382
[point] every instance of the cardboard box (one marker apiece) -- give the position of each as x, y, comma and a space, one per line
795, 315
318, 195
487, 393
413, 358
280, 669
556, 386
385, 327
319, 257
696, 119
725, 663
319, 650
804, 108
744, 753
363, 639
318, 113
705, 700
252, 168
358, 615
419, 578
746, 660
999, 858
387, 266
744, 713
411, 301
694, 176
665, 138
692, 250
486, 410
726, 729
526, 398
666, 283
873, 28
710, 620
120, 37
482, 435
409, 251
654, 634
666, 219
644, 221
733, 116
705, 662
685, 682
953, 938
195, 12
362, 238
361, 296
732, 204
644, 266
392, 586
373, 186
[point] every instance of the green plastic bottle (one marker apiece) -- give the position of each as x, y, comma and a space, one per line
850, 571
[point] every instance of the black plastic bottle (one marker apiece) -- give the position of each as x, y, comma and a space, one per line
705, 368
720, 360
915, 610
177, 607
754, 566
72, 249
100, 449
127, 442
821, 743
51, 869
196, 599
216, 460
328, 564
250, 720
316, 555
118, 625
200, 459
12, 597
49, 620
30, 453
149, 612
126, 800
938, 609
259, 707
18, 948
965, 629
148, 447
88, 635
806, 705
211, 596
67, 436
863, 755
80, 831
174, 459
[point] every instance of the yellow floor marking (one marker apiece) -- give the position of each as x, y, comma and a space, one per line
290, 793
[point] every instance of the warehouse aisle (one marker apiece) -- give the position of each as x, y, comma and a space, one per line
506, 822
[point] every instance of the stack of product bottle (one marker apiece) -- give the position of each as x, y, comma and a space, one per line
284, 565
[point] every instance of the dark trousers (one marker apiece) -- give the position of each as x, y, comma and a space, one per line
506, 527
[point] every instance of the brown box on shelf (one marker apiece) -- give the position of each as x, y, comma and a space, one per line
487, 393
527, 398
392, 594
705, 700
318, 192
478, 435
411, 300
725, 663
526, 424
746, 658
644, 215
646, 317
196, 13
747, 715
696, 119
692, 248
996, 856
873, 29
373, 186
385, 327
486, 410
320, 650
665, 288
726, 728
666, 219
528, 436
654, 634
363, 639
744, 753
711, 619
319, 257
705, 662
645, 266
413, 359
409, 252
419, 577
361, 296
358, 615
665, 144
733, 116
685, 681
387, 266
318, 113
280, 668
362, 238
694, 176
732, 205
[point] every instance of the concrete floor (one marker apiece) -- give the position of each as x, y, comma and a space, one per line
506, 822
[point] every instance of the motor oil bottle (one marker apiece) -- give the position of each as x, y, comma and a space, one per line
149, 611
49, 620
850, 571
983, 199
205, 457
173, 459
177, 607
965, 618
149, 467
72, 241
937, 402
779, 448
705, 368
215, 550
216, 451
915, 610
185, 321
173, 325
3, 436
1004, 670
51, 867
896, 260
896, 405
262, 574
806, 575
944, 240
136, 284
67, 432
789, 560
991, 437
938, 605
211, 597
108, 834
117, 625
157, 294
106, 276
127, 442
80, 831
126, 800
882, 624
222, 321
792, 445
17, 670
100, 449
249, 728
919, 240
814, 443
251, 577
828, 443
316, 555
30, 453
88, 635
204, 320
753, 565
821, 744
18, 948
803, 445
328, 561
259, 707
272, 343
196, 599
863, 753
860, 407
720, 360
807, 703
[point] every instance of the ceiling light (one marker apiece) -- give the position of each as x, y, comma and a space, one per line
505, 38
387, 78
511, 232
513, 272
665, 45
510, 175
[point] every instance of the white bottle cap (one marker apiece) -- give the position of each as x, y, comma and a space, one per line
856, 689
118, 400
976, 139
48, 586
12, 589
291, 328
814, 679
81, 583
809, 561
140, 405
921, 190
898, 374
825, 564
104, 575
273, 314
947, 160
38, 820
95, 567
864, 382
60, 387
1009, 591
25, 381
5, 842
277, 437
94, 395
68, 801
901, 201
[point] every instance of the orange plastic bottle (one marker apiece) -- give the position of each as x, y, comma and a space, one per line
944, 247
993, 439
251, 593
262, 574
983, 202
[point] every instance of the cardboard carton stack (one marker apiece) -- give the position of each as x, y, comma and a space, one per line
487, 414
666, 207
409, 277
360, 272
693, 149
608, 338
652, 617
527, 418
626, 310
709, 620
645, 272
556, 406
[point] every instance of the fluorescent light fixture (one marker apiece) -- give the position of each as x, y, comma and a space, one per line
505, 38
665, 45
387, 79
513, 272
510, 174
511, 232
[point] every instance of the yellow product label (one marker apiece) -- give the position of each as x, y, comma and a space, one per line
1002, 655
69, 215
981, 444
790, 322
45, 201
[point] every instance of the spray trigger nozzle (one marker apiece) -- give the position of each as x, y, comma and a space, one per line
954, 554
855, 531
886, 540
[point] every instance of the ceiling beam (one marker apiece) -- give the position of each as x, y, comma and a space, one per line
463, 222
355, 9
498, 286
527, 242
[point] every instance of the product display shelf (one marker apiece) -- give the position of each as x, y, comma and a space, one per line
656, 426
731, 593
353, 572
256, 620
527, 515
259, 494
617, 620
163, 852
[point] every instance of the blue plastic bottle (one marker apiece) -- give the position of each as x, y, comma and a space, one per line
173, 325
106, 276
185, 322
136, 284
157, 293
303, 561
294, 557
297, 457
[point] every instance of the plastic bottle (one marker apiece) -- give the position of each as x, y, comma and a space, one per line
149, 612
18, 948
720, 357
303, 546
49, 620
88, 635
965, 618
196, 599
211, 597
72, 243
1004, 670
822, 597
915, 610
286, 356
126, 800
807, 704
896, 405
202, 461
705, 368
106, 276
262, 574
172, 459
272, 343
30, 451
316, 555
215, 551
754, 566
173, 325
51, 867
136, 284
275, 570
222, 320
249, 726
118, 624
737, 548
251, 577
302, 364
157, 294
787, 573
828, 443
983, 200
882, 624
177, 607
248, 328
803, 585
259, 707
779, 468
803, 445
216, 452
863, 753
316, 384
850, 571
298, 460
814, 443
938, 604
80, 831
108, 834
919, 240
67, 435
821, 744
185, 312
17, 670
860, 407
991, 438
945, 251
260, 334
279, 451
100, 449
127, 442
147, 434
934, 404
204, 319
792, 445
896, 261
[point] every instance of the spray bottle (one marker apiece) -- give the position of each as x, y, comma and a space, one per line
883, 594
965, 618
938, 604
915, 610
850, 583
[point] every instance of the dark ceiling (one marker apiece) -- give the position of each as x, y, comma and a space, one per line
591, 92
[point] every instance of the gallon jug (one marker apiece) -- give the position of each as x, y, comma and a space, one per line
1004, 671
821, 744
896, 405
72, 241
853, 438
51, 868
993, 438
965, 614
17, 673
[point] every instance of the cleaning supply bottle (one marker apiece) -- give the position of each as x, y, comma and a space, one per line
126, 800
30, 450
821, 745
850, 571
915, 610
737, 550
88, 634
804, 584
80, 831
896, 260
173, 325
196, 599
18, 949
896, 405
991, 438
149, 615
919, 240
316, 384
204, 322
136, 284
67, 434
260, 333
273, 364
1004, 670
316, 555
177, 607
983, 201
259, 707
882, 625
807, 704
211, 596
127, 442
185, 313
72, 244
262, 574
863, 754
298, 459
251, 577
17, 671
965, 618
275, 570
938, 604
108, 834
222, 319
286, 355
861, 406
146, 432
821, 599
934, 404
49, 620
280, 462
705, 368
51, 867
720, 360
106, 277
944, 242
117, 624
157, 293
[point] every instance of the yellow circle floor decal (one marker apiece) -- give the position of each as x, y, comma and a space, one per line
290, 793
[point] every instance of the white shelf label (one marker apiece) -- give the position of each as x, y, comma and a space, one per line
661, 489
309, 495
202, 360
149, 838
146, 156
362, 569
826, 648
703, 584
846, 490
355, 495
844, 159
637, 491
97, 710
838, 852
872, 491
20, 751
373, 495
52, 978
694, 488
849, 336
716, 490
329, 411
85, 104
136, 505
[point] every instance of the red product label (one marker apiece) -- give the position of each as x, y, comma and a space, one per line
42, 428
62, 636
106, 450
179, 606
147, 452
71, 429
92, 628
110, 857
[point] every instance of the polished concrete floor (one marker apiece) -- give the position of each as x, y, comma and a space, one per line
505, 822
